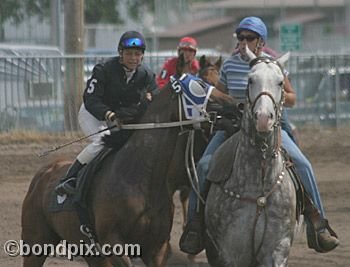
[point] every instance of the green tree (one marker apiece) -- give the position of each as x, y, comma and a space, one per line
9, 9
16, 10
101, 11
96, 11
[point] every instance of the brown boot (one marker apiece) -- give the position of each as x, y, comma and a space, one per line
320, 236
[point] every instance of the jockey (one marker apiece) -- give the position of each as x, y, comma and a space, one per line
188, 47
117, 91
252, 32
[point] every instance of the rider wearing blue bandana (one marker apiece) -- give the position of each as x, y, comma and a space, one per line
117, 91
252, 32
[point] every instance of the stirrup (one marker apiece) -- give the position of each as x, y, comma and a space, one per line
313, 234
66, 188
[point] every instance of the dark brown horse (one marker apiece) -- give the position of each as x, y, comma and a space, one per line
129, 200
208, 72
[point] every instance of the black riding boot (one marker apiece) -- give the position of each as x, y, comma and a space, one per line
67, 184
192, 239
320, 236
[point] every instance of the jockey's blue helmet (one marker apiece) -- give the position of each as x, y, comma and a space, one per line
132, 39
253, 24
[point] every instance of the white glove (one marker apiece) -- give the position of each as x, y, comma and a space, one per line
112, 119
110, 116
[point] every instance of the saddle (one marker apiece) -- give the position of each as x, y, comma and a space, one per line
84, 179
228, 117
221, 163
86, 176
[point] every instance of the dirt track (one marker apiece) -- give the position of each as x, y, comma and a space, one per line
329, 152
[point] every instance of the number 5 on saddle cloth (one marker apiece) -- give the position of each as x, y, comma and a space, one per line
195, 94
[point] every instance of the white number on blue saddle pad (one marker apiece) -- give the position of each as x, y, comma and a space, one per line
195, 94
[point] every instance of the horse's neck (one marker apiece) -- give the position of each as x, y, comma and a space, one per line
154, 148
258, 161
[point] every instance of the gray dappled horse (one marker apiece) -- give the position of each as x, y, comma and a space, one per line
251, 206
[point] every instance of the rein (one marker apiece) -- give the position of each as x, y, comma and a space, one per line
155, 125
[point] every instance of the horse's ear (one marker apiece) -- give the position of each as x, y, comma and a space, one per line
284, 58
218, 62
180, 64
202, 62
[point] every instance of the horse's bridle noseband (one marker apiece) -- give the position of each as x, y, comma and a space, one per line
277, 106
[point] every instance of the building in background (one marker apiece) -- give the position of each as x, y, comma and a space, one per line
297, 25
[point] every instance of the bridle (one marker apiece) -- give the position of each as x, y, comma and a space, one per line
205, 70
277, 106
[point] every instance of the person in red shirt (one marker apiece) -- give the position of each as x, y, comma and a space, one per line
187, 46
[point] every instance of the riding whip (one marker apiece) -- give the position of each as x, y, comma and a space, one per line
42, 154
141, 126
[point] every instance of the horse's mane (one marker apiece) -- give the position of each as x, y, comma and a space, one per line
116, 139
156, 112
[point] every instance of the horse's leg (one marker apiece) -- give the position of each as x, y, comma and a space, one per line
37, 233
160, 259
279, 257
110, 237
119, 261
97, 262
184, 194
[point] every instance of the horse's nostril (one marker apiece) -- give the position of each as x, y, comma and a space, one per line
271, 116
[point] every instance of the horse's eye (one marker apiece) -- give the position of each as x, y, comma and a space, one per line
281, 83
250, 80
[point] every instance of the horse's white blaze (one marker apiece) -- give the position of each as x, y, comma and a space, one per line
264, 113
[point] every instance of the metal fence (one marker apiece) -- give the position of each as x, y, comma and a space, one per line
43, 93
322, 84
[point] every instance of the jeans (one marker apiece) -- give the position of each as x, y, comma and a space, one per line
302, 165
304, 170
203, 168
286, 125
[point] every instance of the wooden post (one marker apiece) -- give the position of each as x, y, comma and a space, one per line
74, 67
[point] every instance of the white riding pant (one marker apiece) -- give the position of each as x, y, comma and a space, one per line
89, 125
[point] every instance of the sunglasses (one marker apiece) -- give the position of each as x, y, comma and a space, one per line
249, 38
133, 42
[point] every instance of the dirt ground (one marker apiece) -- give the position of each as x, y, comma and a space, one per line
328, 150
